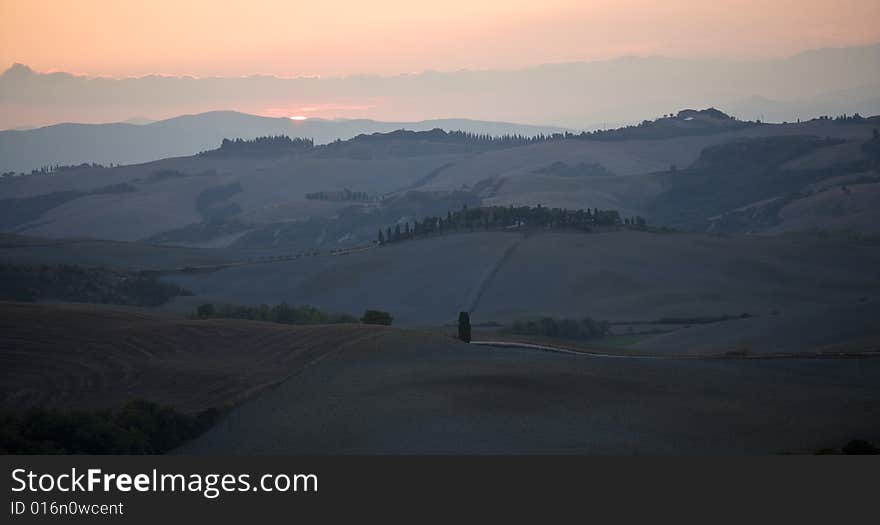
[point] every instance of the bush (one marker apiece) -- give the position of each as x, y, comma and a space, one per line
140, 427
860, 447
377, 317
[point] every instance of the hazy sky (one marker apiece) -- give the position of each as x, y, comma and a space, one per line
336, 38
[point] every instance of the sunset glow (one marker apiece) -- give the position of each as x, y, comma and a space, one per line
397, 60
205, 38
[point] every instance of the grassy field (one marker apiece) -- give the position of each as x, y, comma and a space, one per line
367, 389
788, 283
622, 341
418, 392
87, 358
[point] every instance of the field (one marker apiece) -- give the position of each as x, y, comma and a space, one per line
804, 291
412, 392
751, 328
87, 357
361, 389
23, 250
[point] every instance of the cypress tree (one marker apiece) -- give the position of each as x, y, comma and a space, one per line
464, 326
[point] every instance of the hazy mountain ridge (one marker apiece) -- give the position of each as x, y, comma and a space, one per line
574, 94
121, 143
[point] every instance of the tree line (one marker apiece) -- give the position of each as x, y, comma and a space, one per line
454, 137
58, 168
507, 217
285, 314
346, 195
269, 143
73, 283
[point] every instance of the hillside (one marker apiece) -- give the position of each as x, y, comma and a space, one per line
675, 171
84, 357
363, 389
24, 250
128, 143
619, 276
414, 393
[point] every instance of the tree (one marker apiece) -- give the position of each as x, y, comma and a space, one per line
377, 317
860, 447
876, 134
205, 310
464, 327
381, 237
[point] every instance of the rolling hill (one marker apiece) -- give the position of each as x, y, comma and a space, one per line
788, 283
412, 393
676, 171
363, 389
130, 143
96, 358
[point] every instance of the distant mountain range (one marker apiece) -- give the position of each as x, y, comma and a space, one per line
578, 95
864, 100
128, 143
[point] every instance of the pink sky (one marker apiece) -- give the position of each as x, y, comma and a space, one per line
339, 38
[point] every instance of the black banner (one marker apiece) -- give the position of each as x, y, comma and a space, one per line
169, 489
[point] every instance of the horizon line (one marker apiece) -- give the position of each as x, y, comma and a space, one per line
563, 62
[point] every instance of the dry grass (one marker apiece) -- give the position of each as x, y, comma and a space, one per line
74, 356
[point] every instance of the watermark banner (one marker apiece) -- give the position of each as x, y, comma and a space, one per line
176, 489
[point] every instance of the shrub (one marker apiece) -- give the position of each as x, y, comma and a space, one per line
377, 317
860, 447
140, 427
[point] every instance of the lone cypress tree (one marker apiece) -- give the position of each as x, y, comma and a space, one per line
464, 327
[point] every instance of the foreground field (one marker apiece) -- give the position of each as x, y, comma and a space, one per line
83, 357
411, 392
363, 389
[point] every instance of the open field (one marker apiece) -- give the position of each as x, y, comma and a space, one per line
803, 291
412, 392
363, 389
83, 357
768, 343
24, 250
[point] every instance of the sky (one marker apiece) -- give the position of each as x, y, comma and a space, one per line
285, 38
379, 59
